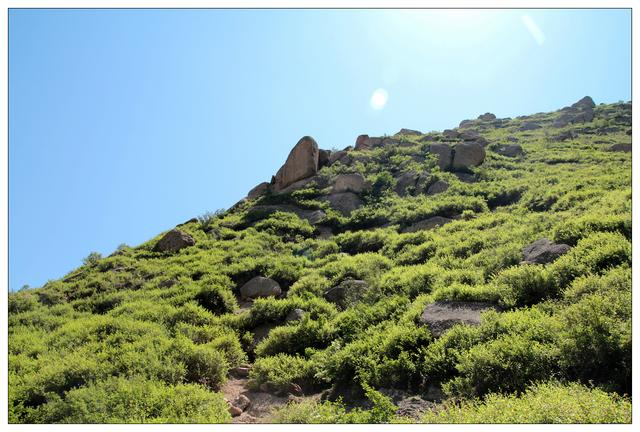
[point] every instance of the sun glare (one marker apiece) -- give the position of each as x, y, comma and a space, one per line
379, 99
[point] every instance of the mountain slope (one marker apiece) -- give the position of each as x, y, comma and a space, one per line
402, 274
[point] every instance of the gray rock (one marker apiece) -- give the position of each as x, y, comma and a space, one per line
323, 158
341, 156
444, 153
295, 315
450, 134
242, 402
510, 150
465, 123
566, 135
301, 163
349, 183
465, 177
241, 371
469, 135
296, 185
584, 103
442, 315
487, 117
260, 286
405, 182
409, 132
427, 224
413, 407
173, 241
346, 293
438, 187
258, 191
543, 251
529, 126
344, 202
622, 147
468, 155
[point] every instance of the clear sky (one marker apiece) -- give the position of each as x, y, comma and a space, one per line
124, 123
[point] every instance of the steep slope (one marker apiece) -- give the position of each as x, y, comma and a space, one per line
399, 275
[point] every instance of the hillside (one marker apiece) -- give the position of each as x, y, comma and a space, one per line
478, 274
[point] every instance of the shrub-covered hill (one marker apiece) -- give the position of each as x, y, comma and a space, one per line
477, 274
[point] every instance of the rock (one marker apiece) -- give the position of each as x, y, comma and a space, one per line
295, 315
173, 241
344, 202
622, 147
434, 393
468, 155
438, 187
561, 122
511, 138
349, 183
260, 287
465, 123
413, 407
584, 103
301, 163
543, 251
427, 224
242, 402
260, 333
258, 191
376, 141
167, 283
409, 132
450, 134
465, 177
405, 182
444, 153
566, 135
346, 293
234, 411
296, 185
362, 142
341, 156
527, 126
192, 220
241, 371
294, 389
469, 135
487, 117
442, 315
323, 158
510, 150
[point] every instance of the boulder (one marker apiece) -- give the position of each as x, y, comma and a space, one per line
301, 163
487, 117
465, 177
344, 202
349, 183
469, 135
346, 293
566, 135
584, 103
341, 156
362, 142
173, 241
527, 126
296, 185
241, 371
427, 224
465, 123
389, 142
240, 403
260, 286
438, 187
323, 158
468, 155
621, 147
543, 251
409, 132
405, 182
510, 150
295, 315
444, 153
450, 134
442, 315
258, 191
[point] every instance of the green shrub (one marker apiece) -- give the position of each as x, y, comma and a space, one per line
216, 299
366, 266
574, 230
282, 370
286, 225
409, 280
295, 339
204, 364
525, 285
310, 285
541, 403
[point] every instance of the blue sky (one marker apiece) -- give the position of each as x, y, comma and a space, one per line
123, 123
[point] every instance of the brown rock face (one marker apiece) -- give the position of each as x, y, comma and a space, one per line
349, 183
344, 202
259, 190
468, 155
173, 241
362, 142
444, 153
301, 163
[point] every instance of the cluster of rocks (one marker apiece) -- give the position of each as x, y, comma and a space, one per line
579, 112
459, 157
543, 251
238, 405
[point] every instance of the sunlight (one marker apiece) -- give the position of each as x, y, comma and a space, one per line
379, 99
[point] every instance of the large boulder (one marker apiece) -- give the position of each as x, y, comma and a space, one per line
260, 286
442, 315
543, 251
427, 224
438, 187
468, 155
584, 103
346, 293
323, 158
258, 191
349, 183
406, 182
444, 153
621, 147
344, 202
409, 132
450, 134
362, 142
509, 150
342, 156
173, 241
301, 163
487, 117
469, 135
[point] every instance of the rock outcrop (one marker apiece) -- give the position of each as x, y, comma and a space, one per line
409, 132
441, 316
301, 163
543, 251
344, 202
349, 183
438, 187
510, 150
487, 117
173, 241
258, 191
468, 155
444, 152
